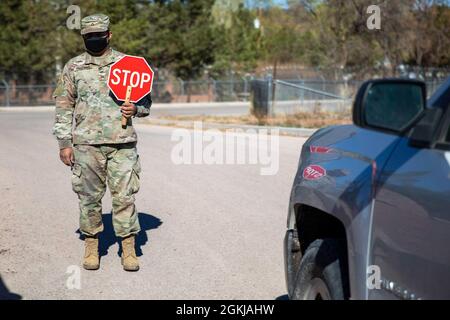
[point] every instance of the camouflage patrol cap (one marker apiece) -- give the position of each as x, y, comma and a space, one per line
94, 23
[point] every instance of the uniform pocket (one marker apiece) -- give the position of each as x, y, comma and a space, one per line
76, 178
135, 175
81, 111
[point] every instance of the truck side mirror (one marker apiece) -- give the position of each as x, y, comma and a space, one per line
391, 105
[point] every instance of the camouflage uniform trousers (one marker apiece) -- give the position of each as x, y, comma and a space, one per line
115, 165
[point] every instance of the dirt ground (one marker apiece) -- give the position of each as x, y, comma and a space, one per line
315, 119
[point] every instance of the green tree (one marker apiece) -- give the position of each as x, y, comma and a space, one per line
238, 40
180, 36
29, 40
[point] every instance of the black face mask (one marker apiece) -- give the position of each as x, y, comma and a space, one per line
96, 44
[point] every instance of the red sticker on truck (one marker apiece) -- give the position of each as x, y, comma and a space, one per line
314, 172
319, 149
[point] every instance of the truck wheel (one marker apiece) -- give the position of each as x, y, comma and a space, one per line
322, 273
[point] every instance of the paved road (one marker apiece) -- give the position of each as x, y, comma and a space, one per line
173, 109
213, 109
209, 231
218, 108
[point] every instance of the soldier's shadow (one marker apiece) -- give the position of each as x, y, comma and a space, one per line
108, 238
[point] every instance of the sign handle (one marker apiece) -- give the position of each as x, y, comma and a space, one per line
127, 100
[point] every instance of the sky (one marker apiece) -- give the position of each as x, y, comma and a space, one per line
282, 3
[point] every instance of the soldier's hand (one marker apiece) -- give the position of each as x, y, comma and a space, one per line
66, 156
128, 110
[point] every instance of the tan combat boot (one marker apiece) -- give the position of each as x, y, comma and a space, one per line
91, 260
129, 260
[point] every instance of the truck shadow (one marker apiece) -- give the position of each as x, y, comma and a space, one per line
5, 294
108, 238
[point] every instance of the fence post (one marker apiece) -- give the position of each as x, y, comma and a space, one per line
323, 83
260, 102
271, 95
7, 92
181, 86
214, 89
302, 93
245, 89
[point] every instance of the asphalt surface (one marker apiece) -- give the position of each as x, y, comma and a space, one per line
209, 231
217, 108
212, 109
173, 109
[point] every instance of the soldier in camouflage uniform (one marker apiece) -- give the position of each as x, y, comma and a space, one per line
96, 146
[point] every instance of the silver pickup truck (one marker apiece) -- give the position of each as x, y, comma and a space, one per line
369, 213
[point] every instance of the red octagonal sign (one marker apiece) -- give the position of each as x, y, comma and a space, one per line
314, 172
130, 71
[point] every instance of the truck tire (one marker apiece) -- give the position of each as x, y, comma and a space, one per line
322, 273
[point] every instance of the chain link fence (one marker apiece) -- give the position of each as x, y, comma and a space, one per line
162, 92
292, 96
285, 96
297, 96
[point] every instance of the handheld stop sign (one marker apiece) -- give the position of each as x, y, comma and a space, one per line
130, 79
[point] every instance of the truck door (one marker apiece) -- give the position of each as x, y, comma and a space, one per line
411, 222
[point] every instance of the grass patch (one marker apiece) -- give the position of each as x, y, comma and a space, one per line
313, 119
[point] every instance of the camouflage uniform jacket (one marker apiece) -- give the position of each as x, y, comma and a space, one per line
82, 95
